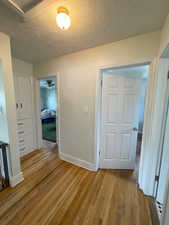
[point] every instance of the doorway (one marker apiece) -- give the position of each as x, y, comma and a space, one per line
122, 116
48, 111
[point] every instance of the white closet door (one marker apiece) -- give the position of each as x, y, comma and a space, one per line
120, 107
17, 95
23, 94
25, 103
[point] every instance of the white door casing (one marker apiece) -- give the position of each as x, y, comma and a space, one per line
151, 130
120, 114
164, 171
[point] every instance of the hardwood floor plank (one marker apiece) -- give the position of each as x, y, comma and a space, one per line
11, 195
59, 211
35, 195
58, 193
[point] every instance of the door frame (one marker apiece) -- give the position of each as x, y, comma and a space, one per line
38, 119
164, 58
98, 106
163, 130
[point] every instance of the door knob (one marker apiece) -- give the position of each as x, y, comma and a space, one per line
135, 129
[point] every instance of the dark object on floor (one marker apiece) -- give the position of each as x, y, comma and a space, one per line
4, 174
49, 130
154, 212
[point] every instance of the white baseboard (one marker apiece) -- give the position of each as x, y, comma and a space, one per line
16, 179
78, 162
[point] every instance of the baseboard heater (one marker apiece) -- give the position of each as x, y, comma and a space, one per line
4, 173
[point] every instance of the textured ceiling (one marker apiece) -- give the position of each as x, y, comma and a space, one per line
26, 5
22, 3
94, 22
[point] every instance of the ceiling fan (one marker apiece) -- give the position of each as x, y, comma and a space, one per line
50, 83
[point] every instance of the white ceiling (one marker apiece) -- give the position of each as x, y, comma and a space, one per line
94, 22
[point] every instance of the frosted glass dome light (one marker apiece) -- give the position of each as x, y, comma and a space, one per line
63, 19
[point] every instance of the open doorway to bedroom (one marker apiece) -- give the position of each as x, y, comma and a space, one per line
122, 116
48, 111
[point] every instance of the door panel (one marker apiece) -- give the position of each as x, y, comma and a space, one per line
112, 113
111, 142
120, 108
128, 104
125, 146
25, 97
17, 96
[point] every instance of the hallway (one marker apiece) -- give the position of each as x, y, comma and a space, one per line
55, 192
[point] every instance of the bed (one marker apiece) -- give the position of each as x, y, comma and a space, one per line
48, 118
48, 115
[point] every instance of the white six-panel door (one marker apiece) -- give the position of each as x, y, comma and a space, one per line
120, 114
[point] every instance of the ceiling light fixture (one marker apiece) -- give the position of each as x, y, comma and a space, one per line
62, 18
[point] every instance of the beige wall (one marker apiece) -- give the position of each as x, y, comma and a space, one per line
9, 108
164, 36
78, 74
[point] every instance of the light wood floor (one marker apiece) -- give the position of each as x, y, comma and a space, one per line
55, 192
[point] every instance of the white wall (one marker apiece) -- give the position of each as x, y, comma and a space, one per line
78, 75
164, 42
8, 127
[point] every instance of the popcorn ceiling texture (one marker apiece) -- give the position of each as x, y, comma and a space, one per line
94, 23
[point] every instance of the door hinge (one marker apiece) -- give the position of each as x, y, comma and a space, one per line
157, 178
168, 75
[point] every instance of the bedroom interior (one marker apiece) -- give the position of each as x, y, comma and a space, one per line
49, 107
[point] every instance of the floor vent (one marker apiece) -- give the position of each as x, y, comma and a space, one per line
159, 207
4, 174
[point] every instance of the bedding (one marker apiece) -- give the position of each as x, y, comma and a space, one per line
48, 114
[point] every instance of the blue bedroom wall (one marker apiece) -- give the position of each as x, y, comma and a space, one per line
48, 98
